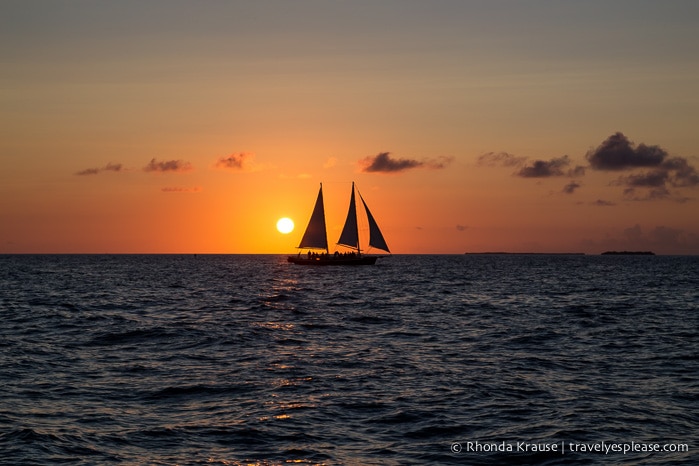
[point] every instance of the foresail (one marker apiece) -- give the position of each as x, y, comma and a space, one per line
350, 232
376, 239
315, 236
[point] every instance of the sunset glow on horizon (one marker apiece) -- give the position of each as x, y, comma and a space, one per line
193, 127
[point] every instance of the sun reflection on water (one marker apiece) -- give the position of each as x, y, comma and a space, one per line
263, 462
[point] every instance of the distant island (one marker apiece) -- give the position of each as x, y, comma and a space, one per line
628, 253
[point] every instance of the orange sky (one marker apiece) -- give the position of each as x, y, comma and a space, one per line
192, 127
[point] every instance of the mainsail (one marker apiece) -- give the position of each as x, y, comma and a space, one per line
315, 236
375, 237
350, 232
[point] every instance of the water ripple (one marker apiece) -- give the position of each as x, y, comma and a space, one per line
170, 360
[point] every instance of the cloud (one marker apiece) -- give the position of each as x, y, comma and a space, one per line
618, 153
236, 161
330, 162
113, 167
180, 189
88, 171
239, 162
536, 169
461, 227
652, 179
383, 163
681, 173
571, 187
654, 194
657, 182
176, 166
504, 159
545, 169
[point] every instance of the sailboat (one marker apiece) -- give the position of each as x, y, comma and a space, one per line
315, 237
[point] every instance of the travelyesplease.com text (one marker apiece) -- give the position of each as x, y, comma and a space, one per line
564, 447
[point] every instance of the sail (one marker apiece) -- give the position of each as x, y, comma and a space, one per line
375, 237
350, 232
315, 237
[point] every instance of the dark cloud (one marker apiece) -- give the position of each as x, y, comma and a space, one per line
504, 159
653, 194
176, 166
618, 153
461, 227
654, 185
571, 187
233, 161
682, 174
114, 167
545, 169
536, 169
88, 171
383, 163
652, 179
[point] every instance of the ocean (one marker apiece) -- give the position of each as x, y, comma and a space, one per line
419, 359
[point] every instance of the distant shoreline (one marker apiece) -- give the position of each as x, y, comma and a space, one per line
605, 253
528, 253
628, 253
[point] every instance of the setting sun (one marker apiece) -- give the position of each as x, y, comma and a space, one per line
285, 225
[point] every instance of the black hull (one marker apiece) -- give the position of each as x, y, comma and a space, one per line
332, 260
